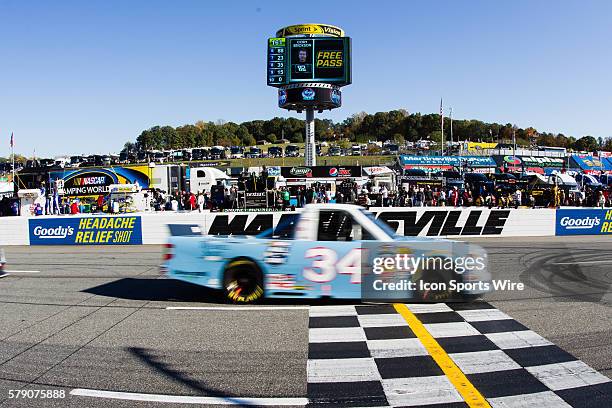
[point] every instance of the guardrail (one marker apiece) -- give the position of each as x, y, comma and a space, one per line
151, 228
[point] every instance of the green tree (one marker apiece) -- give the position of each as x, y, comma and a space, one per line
297, 137
436, 137
586, 143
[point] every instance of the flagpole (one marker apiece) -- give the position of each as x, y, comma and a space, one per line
442, 127
13, 161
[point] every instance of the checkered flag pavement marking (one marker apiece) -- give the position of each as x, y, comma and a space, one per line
367, 355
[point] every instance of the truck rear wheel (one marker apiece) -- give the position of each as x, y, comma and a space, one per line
243, 281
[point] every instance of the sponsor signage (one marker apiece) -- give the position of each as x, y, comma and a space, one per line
529, 161
317, 96
320, 171
213, 164
302, 29
590, 163
119, 230
583, 222
477, 146
445, 223
445, 161
377, 170
91, 183
96, 181
274, 171
432, 223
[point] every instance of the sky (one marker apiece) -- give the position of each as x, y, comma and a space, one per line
86, 77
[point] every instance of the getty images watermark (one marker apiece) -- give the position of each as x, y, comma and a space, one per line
419, 270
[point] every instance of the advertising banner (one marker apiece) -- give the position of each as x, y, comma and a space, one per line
583, 222
320, 171
96, 180
591, 164
424, 221
109, 230
445, 161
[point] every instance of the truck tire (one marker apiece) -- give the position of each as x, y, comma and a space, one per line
243, 281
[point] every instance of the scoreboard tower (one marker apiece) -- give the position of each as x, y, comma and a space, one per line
308, 63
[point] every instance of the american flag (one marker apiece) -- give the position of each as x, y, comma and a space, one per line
12, 140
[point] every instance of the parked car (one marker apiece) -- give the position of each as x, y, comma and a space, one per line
335, 151
275, 151
292, 151
236, 152
253, 153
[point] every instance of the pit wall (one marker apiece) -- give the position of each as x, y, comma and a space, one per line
151, 228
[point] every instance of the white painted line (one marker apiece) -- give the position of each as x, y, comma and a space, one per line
342, 370
22, 271
428, 307
238, 308
518, 339
335, 310
477, 362
608, 261
453, 329
389, 348
571, 374
483, 315
183, 399
382, 320
336, 334
546, 399
420, 391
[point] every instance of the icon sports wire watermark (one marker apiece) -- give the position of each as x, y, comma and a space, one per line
424, 270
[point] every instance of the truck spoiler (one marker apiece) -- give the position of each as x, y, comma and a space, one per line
182, 230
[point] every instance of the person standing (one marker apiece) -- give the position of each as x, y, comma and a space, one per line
385, 196
233, 198
74, 207
428, 196
419, 197
442, 198
100, 203
200, 201
286, 198
192, 201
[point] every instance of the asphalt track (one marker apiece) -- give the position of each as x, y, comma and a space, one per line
96, 318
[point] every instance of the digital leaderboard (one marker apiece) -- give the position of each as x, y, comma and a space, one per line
317, 59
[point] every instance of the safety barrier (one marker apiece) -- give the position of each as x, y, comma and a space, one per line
151, 228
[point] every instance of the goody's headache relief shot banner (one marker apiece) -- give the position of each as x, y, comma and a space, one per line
120, 230
584, 222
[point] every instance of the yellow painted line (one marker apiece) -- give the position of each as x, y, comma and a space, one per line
467, 390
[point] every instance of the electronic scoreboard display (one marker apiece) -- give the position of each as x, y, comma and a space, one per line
309, 59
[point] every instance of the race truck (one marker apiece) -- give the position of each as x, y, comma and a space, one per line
325, 250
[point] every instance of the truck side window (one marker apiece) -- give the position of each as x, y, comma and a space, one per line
335, 226
340, 226
200, 173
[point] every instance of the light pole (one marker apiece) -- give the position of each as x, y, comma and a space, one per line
513, 140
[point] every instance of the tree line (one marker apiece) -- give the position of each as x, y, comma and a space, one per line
398, 125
